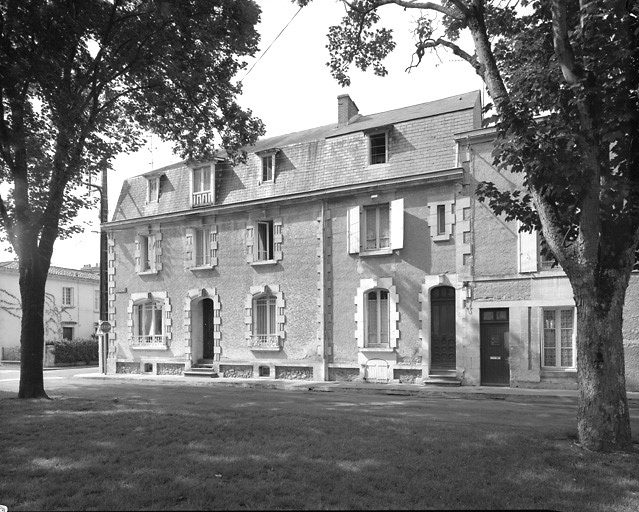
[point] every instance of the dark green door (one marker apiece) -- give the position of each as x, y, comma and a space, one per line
208, 338
494, 351
443, 354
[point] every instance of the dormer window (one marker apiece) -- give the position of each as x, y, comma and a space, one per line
202, 186
153, 189
268, 164
378, 148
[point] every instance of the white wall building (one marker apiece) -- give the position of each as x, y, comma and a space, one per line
72, 306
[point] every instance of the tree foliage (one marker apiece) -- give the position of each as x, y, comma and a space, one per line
563, 76
83, 80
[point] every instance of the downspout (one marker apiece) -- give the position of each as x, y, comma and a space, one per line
322, 291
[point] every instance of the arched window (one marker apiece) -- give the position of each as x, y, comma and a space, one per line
264, 320
377, 318
147, 322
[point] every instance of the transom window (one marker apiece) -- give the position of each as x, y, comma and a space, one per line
558, 338
147, 323
202, 189
268, 162
377, 227
67, 296
265, 240
202, 242
377, 318
378, 148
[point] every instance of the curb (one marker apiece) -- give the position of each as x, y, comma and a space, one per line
465, 392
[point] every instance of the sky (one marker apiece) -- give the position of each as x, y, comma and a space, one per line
290, 88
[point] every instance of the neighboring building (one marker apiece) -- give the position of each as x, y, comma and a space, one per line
349, 251
72, 304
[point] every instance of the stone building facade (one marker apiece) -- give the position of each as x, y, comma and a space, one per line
348, 251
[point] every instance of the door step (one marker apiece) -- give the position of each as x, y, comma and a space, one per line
201, 370
443, 378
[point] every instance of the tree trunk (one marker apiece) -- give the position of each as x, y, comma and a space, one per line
603, 420
32, 289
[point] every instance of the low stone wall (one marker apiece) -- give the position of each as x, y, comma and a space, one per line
294, 372
170, 369
236, 371
406, 375
121, 367
343, 374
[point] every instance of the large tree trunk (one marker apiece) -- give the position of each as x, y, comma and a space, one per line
603, 420
32, 289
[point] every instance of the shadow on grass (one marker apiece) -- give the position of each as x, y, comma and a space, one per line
163, 447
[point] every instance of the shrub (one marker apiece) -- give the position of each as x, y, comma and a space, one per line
76, 351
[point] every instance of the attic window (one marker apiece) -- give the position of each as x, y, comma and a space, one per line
378, 147
268, 164
153, 189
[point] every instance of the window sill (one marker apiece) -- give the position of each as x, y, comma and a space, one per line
264, 262
149, 347
378, 252
551, 371
202, 267
265, 349
379, 166
442, 238
147, 272
376, 349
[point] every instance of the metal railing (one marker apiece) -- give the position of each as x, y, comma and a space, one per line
146, 340
200, 198
265, 341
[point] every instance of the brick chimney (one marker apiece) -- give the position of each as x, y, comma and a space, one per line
346, 109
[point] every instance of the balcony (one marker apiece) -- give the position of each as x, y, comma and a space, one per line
202, 198
265, 342
149, 342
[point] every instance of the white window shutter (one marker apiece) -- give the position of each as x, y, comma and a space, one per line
213, 245
277, 239
397, 224
138, 265
249, 242
528, 250
157, 252
188, 247
353, 229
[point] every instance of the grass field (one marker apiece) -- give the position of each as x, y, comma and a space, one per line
175, 447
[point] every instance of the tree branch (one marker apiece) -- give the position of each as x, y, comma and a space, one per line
561, 42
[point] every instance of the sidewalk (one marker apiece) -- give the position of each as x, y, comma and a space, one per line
425, 390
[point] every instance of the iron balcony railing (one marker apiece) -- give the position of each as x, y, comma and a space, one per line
265, 341
200, 198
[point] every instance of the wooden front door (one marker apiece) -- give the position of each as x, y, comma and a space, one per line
494, 351
208, 338
442, 334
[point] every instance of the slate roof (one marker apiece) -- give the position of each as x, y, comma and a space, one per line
316, 160
55, 271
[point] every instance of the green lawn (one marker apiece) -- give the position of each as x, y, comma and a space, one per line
178, 447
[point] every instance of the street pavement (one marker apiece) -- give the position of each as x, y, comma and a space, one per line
66, 377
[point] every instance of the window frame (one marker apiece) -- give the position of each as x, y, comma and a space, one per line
67, 302
276, 313
381, 210
96, 300
152, 189
205, 193
147, 241
268, 168
68, 327
269, 231
372, 145
557, 348
202, 247
380, 309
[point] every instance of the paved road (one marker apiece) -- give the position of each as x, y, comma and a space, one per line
509, 409
54, 378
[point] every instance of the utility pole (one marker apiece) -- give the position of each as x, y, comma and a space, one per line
104, 326
104, 271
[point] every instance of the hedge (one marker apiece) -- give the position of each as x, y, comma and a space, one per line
76, 351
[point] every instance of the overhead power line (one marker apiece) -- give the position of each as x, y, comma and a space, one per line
272, 43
